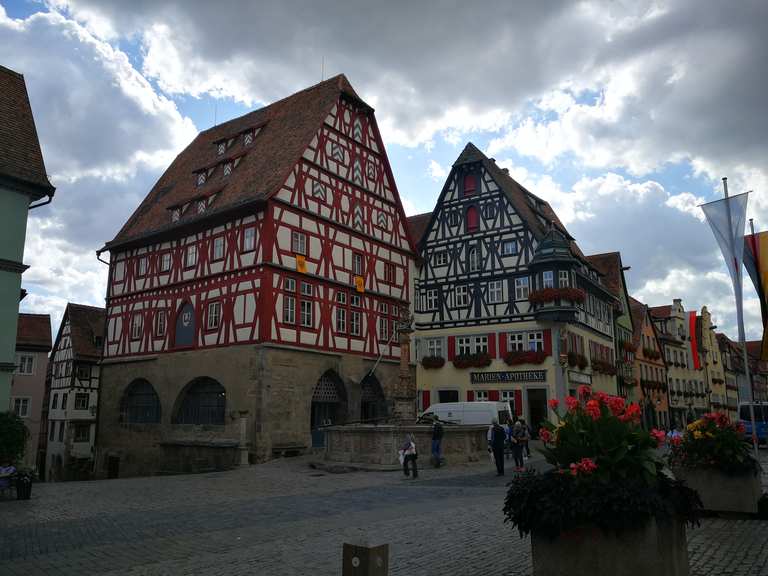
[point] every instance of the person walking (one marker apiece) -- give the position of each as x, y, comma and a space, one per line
496, 438
408, 455
519, 437
526, 448
437, 441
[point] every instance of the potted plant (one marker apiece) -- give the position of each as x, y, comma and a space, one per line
13, 443
431, 362
714, 458
609, 505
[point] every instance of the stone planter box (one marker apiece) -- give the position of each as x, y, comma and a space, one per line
659, 549
722, 493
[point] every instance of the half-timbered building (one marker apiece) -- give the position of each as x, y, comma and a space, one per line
650, 389
74, 393
507, 306
253, 295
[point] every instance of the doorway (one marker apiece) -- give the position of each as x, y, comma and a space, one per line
328, 406
537, 409
448, 396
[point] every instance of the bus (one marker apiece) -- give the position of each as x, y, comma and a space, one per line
761, 420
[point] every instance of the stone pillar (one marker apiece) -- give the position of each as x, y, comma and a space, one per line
405, 394
244, 438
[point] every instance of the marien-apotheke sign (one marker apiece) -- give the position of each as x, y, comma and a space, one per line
513, 376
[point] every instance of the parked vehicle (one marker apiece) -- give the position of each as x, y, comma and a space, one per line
469, 413
761, 420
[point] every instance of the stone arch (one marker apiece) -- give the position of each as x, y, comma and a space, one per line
140, 403
328, 404
373, 402
202, 401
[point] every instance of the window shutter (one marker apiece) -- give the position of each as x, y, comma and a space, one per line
548, 342
424, 400
518, 402
492, 345
502, 344
493, 395
473, 219
451, 348
470, 184
470, 395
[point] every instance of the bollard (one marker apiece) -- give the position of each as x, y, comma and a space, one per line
365, 560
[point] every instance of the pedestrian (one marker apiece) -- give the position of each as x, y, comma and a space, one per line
526, 448
437, 441
519, 437
508, 440
408, 455
496, 438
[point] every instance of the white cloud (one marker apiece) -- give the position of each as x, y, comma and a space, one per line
688, 204
436, 172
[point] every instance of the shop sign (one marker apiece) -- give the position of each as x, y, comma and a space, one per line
579, 378
509, 376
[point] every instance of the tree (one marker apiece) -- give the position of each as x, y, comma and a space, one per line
13, 437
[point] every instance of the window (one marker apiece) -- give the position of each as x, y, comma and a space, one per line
548, 279
306, 305
218, 248
214, 315
462, 296
536, 341
82, 400
481, 396
341, 319
495, 291
389, 272
357, 264
25, 364
248, 138
55, 403
201, 206
516, 342
299, 243
190, 256
441, 258
61, 431
354, 300
473, 220
249, 238
52, 431
221, 148
521, 288
137, 322
204, 403
83, 372
64, 405
481, 344
470, 184
453, 218
20, 407
140, 404
227, 168
563, 280
142, 266
464, 345
383, 322
473, 263
67, 369
289, 309
355, 324
431, 300
165, 262
435, 347
489, 211
160, 323
508, 247
175, 214
200, 178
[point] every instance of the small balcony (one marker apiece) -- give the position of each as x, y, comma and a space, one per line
556, 304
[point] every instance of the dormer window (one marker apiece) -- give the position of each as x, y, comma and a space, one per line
175, 214
221, 148
248, 138
201, 178
201, 206
227, 168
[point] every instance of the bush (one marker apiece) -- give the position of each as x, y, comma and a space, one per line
13, 437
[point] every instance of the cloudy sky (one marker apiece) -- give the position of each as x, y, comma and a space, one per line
624, 115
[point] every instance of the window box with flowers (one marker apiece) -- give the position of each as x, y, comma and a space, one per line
547, 295
478, 360
432, 362
713, 458
518, 357
608, 498
628, 346
579, 360
603, 367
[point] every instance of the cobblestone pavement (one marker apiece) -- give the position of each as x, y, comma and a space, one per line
286, 518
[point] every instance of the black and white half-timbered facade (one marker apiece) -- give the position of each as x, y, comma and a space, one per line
253, 296
507, 306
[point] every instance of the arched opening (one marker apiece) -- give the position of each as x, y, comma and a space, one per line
140, 404
329, 403
203, 401
184, 332
373, 403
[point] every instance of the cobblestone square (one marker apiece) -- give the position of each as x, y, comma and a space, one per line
287, 518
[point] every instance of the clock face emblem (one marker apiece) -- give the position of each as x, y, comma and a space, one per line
186, 319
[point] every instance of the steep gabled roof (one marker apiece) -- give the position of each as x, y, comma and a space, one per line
286, 128
661, 312
86, 323
417, 226
609, 265
21, 161
33, 332
639, 311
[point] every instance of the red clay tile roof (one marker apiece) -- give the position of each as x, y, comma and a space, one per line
754, 348
33, 331
609, 265
417, 225
638, 310
286, 129
21, 160
661, 311
85, 324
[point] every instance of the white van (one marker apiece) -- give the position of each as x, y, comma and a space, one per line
469, 413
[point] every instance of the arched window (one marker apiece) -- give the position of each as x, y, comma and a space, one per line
203, 401
140, 404
473, 220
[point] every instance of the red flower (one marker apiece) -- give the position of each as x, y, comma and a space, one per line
659, 436
740, 428
676, 440
584, 390
601, 397
616, 404
572, 403
545, 435
583, 466
554, 403
593, 409
631, 414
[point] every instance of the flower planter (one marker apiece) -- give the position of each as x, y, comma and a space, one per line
720, 492
658, 549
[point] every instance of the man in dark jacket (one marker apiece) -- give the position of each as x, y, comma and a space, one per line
437, 440
496, 438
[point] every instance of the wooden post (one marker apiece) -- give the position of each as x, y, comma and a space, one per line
365, 560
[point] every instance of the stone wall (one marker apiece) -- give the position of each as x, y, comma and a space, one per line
270, 386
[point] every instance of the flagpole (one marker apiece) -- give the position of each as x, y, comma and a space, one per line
737, 287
